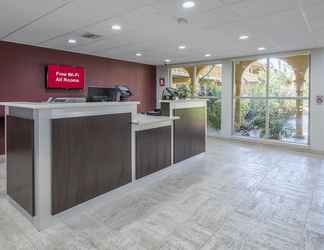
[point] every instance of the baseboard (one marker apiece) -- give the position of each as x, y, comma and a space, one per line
288, 146
2, 158
317, 152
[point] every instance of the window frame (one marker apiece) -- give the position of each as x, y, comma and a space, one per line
268, 98
195, 95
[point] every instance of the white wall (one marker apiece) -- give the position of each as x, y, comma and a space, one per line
161, 72
317, 111
227, 103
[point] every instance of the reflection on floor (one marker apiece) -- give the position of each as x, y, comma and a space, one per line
255, 134
237, 196
213, 132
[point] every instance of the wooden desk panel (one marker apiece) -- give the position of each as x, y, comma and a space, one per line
189, 133
20, 162
153, 150
90, 156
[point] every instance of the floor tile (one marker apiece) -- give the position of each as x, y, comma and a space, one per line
236, 196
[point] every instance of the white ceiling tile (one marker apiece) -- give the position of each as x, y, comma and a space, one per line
262, 8
17, 13
150, 26
78, 14
314, 15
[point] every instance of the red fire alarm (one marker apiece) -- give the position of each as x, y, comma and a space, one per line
162, 82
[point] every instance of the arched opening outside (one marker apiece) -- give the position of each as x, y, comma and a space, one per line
272, 98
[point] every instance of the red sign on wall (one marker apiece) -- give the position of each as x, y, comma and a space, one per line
162, 82
65, 77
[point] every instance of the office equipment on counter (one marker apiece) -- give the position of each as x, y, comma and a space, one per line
169, 94
96, 94
116, 94
155, 112
66, 100
124, 92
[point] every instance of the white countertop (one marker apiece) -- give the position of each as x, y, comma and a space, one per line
32, 110
185, 100
141, 119
45, 105
185, 103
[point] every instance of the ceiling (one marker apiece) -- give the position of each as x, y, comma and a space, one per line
150, 27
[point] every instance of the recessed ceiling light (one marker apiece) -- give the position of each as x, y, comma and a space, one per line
244, 37
167, 60
138, 54
208, 55
188, 4
182, 47
116, 27
261, 49
72, 41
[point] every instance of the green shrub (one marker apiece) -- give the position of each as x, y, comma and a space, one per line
184, 91
214, 113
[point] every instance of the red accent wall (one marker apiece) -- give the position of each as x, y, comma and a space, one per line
22, 76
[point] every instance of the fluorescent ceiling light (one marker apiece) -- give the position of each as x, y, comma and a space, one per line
138, 54
167, 60
208, 55
116, 27
261, 49
182, 47
72, 41
188, 4
244, 37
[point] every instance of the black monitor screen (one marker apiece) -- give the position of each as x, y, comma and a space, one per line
100, 94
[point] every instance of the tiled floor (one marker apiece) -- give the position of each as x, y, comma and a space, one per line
237, 196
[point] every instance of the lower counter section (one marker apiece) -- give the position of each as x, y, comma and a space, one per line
189, 133
190, 129
20, 162
153, 150
90, 156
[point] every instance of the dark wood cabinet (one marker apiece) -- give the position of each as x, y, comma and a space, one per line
165, 109
90, 156
20, 162
189, 133
153, 150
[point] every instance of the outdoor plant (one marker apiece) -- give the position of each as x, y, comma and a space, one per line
214, 113
184, 91
214, 105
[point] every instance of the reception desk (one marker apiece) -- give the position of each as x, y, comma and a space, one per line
190, 130
62, 155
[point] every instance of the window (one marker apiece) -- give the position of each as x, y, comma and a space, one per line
271, 98
183, 80
202, 81
210, 86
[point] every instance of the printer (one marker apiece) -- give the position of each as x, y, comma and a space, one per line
116, 94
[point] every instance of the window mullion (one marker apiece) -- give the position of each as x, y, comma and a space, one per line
267, 127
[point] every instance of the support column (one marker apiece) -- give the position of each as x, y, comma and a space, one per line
299, 106
239, 69
227, 99
299, 65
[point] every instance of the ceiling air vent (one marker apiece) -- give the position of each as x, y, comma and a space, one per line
89, 35
182, 20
